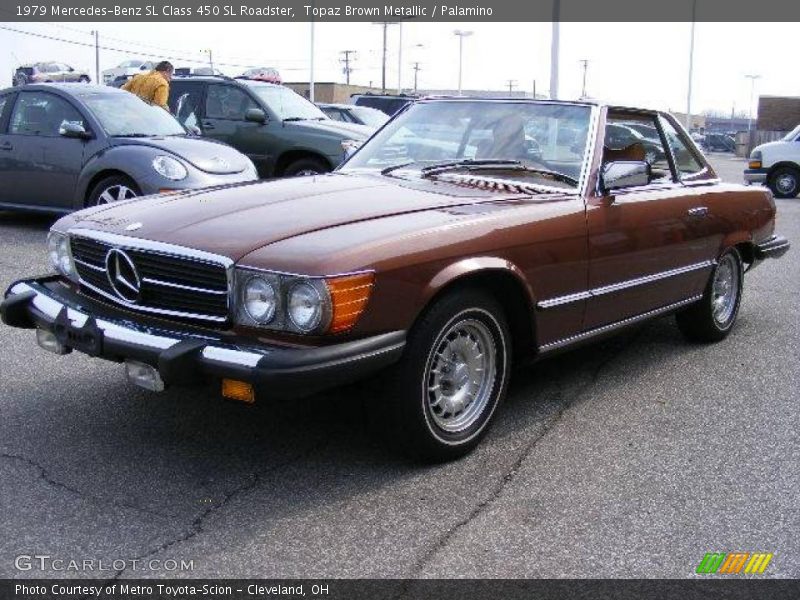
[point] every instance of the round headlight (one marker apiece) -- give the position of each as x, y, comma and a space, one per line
259, 300
53, 242
304, 306
170, 168
60, 255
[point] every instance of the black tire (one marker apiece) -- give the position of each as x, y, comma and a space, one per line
98, 195
84, 79
306, 166
784, 182
705, 321
410, 413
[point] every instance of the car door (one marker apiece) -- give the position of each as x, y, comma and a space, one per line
44, 165
7, 161
645, 252
224, 120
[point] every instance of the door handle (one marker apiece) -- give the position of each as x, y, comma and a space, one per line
698, 211
6, 146
208, 125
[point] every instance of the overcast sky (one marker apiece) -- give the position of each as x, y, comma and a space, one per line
642, 64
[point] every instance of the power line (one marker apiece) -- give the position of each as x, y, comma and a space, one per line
128, 51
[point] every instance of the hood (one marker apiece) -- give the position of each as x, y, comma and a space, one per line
206, 155
772, 145
233, 221
345, 130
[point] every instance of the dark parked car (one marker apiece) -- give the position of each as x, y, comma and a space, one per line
283, 133
349, 113
719, 142
67, 146
386, 103
48, 72
621, 135
444, 272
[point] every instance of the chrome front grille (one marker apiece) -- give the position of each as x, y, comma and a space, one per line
157, 278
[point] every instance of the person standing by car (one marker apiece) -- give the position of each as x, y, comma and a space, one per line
153, 86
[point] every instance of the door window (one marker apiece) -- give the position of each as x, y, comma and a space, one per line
227, 102
686, 163
187, 105
39, 113
635, 137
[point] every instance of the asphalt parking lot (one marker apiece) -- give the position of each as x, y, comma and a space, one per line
629, 458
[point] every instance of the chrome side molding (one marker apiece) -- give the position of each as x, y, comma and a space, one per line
623, 285
586, 335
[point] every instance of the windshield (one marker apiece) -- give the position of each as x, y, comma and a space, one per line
128, 115
547, 140
287, 104
370, 116
792, 135
135, 64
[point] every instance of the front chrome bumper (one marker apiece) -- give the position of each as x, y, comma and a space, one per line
185, 356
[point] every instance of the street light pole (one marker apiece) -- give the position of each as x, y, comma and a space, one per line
399, 58
752, 79
461, 35
96, 56
691, 70
385, 25
554, 48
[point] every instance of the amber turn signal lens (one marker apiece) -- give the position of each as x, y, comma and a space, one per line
349, 296
238, 390
754, 164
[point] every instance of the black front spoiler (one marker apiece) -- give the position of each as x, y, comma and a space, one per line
184, 356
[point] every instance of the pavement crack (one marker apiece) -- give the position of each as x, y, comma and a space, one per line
196, 527
45, 476
516, 465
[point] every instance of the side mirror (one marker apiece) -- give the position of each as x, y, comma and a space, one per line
623, 174
256, 115
70, 129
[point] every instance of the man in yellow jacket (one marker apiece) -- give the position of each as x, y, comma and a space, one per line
152, 87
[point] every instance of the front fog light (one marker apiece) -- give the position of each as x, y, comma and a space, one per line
259, 299
304, 306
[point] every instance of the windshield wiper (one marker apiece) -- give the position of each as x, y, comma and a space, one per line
390, 168
295, 119
134, 135
495, 165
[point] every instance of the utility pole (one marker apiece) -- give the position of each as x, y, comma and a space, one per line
585, 63
311, 84
210, 58
346, 60
96, 34
691, 71
399, 58
385, 25
511, 84
461, 35
534, 90
417, 69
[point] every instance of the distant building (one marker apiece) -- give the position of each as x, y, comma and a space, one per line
778, 113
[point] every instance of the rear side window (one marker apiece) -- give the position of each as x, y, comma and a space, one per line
686, 163
40, 113
185, 104
227, 102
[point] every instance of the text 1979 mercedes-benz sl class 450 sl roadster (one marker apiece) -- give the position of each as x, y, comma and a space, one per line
465, 234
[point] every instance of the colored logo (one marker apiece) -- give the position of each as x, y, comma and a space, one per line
734, 562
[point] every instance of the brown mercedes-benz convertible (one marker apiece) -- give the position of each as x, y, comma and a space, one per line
464, 235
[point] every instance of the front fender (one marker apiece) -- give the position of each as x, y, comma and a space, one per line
136, 165
473, 266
